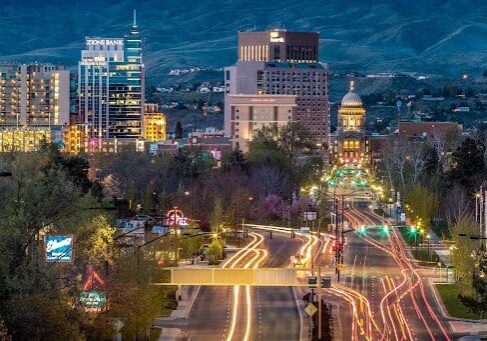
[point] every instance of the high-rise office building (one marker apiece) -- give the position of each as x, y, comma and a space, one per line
111, 87
34, 104
279, 62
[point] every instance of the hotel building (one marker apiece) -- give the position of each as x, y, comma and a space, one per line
111, 87
252, 112
34, 101
279, 62
154, 125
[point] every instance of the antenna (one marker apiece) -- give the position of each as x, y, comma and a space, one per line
135, 18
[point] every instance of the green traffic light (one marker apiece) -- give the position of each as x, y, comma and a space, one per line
385, 229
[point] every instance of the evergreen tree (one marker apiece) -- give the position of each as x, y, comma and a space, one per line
178, 132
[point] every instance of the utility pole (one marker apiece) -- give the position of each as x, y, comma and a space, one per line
484, 207
481, 213
320, 294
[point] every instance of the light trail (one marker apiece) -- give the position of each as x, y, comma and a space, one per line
398, 252
258, 256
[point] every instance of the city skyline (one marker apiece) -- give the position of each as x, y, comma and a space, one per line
243, 171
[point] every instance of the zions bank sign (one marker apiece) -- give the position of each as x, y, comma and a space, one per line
106, 42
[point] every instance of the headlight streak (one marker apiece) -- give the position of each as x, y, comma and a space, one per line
398, 253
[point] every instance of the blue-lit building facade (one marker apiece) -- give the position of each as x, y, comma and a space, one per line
111, 87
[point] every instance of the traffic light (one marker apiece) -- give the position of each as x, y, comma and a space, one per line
385, 229
361, 230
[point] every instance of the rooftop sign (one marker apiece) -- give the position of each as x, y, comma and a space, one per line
111, 42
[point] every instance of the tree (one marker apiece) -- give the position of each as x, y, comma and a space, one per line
423, 204
178, 132
215, 251
468, 167
236, 161
4, 335
462, 254
132, 297
95, 243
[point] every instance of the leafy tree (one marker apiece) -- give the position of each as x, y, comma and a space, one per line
462, 254
215, 252
4, 335
40, 317
423, 203
236, 161
468, 167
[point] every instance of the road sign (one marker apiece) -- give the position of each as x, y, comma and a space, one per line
312, 281
310, 309
310, 215
341, 267
403, 217
326, 282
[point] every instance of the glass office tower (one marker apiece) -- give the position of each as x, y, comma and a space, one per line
111, 87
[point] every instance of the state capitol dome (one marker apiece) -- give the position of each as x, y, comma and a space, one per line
351, 99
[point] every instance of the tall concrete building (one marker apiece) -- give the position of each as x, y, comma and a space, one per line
33, 95
34, 105
252, 112
111, 87
279, 62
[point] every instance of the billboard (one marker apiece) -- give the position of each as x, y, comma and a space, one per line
59, 249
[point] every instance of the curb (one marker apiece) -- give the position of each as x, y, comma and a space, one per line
193, 299
303, 326
443, 308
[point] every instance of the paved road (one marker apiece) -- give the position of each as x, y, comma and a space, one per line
274, 314
416, 316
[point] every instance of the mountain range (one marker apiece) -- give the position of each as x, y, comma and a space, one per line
441, 37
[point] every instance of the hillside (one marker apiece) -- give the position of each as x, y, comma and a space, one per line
430, 36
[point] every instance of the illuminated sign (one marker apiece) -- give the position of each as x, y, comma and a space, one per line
59, 249
176, 217
93, 300
276, 37
110, 42
93, 280
263, 100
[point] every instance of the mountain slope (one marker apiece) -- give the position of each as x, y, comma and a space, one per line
432, 36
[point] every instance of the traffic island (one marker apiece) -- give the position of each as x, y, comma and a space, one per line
452, 303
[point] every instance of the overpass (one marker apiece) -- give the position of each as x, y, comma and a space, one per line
273, 277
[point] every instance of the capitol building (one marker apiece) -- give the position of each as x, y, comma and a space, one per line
350, 143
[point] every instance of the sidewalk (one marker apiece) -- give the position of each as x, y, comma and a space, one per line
188, 295
179, 316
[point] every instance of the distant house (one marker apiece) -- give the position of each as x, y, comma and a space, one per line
462, 109
426, 131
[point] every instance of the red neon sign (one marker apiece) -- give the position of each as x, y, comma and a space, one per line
176, 217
